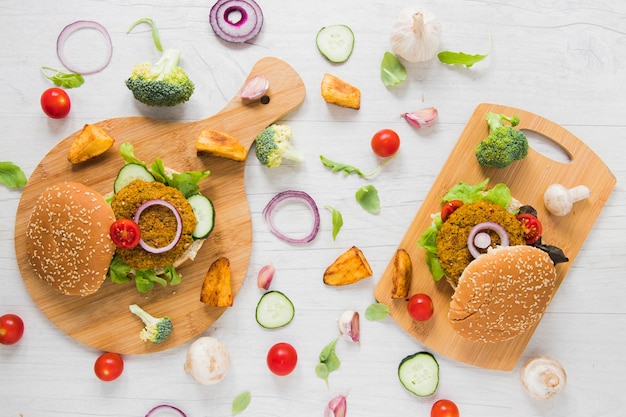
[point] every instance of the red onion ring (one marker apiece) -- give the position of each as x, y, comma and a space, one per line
166, 410
501, 232
179, 225
270, 209
76, 26
242, 30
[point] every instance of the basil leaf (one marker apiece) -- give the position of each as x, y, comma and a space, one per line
63, 78
392, 72
337, 220
11, 175
367, 197
376, 312
329, 361
241, 402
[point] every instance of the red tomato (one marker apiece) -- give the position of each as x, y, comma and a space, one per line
125, 233
11, 329
420, 307
109, 366
444, 408
449, 208
282, 359
55, 103
385, 143
531, 226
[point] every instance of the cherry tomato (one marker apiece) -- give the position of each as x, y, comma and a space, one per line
109, 366
531, 226
444, 408
55, 103
11, 329
125, 233
449, 208
282, 359
420, 307
385, 143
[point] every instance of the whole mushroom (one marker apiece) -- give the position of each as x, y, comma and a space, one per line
543, 377
207, 361
559, 200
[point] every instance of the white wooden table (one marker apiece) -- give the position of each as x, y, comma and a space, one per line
563, 60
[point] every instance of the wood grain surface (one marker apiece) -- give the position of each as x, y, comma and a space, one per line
103, 320
527, 180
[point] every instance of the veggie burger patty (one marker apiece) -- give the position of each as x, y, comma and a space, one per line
157, 223
452, 250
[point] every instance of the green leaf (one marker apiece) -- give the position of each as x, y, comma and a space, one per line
367, 197
337, 220
341, 167
461, 58
62, 78
118, 271
155, 31
11, 175
392, 72
329, 361
146, 278
127, 152
172, 275
377, 312
241, 402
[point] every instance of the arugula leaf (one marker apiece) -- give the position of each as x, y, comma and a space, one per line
11, 175
62, 78
241, 402
329, 361
461, 58
341, 167
367, 197
337, 220
392, 72
377, 312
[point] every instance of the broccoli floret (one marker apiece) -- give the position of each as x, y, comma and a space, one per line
273, 144
161, 84
504, 144
156, 330
164, 83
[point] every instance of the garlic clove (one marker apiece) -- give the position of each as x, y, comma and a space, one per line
337, 407
543, 377
415, 35
255, 88
421, 118
349, 325
265, 276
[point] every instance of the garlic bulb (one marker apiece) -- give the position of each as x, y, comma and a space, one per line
415, 35
543, 377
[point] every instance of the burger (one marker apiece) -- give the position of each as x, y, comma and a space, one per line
488, 247
155, 220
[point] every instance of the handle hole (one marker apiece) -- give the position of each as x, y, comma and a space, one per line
547, 147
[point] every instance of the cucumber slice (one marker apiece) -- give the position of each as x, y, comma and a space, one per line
205, 215
274, 310
335, 42
419, 374
130, 173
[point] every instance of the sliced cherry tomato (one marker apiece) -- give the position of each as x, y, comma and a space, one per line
282, 359
444, 408
449, 208
531, 226
109, 366
125, 233
420, 307
385, 143
11, 329
55, 103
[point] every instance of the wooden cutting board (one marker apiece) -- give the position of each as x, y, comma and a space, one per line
102, 320
527, 180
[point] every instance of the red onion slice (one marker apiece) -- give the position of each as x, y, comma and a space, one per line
179, 225
270, 209
71, 29
236, 20
501, 232
165, 410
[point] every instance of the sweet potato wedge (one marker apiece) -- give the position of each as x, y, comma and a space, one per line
220, 144
401, 274
216, 288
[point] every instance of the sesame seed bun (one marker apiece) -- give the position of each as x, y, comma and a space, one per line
67, 238
503, 293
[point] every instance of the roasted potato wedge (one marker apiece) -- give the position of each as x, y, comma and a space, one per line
336, 91
220, 144
216, 288
90, 142
401, 274
350, 267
